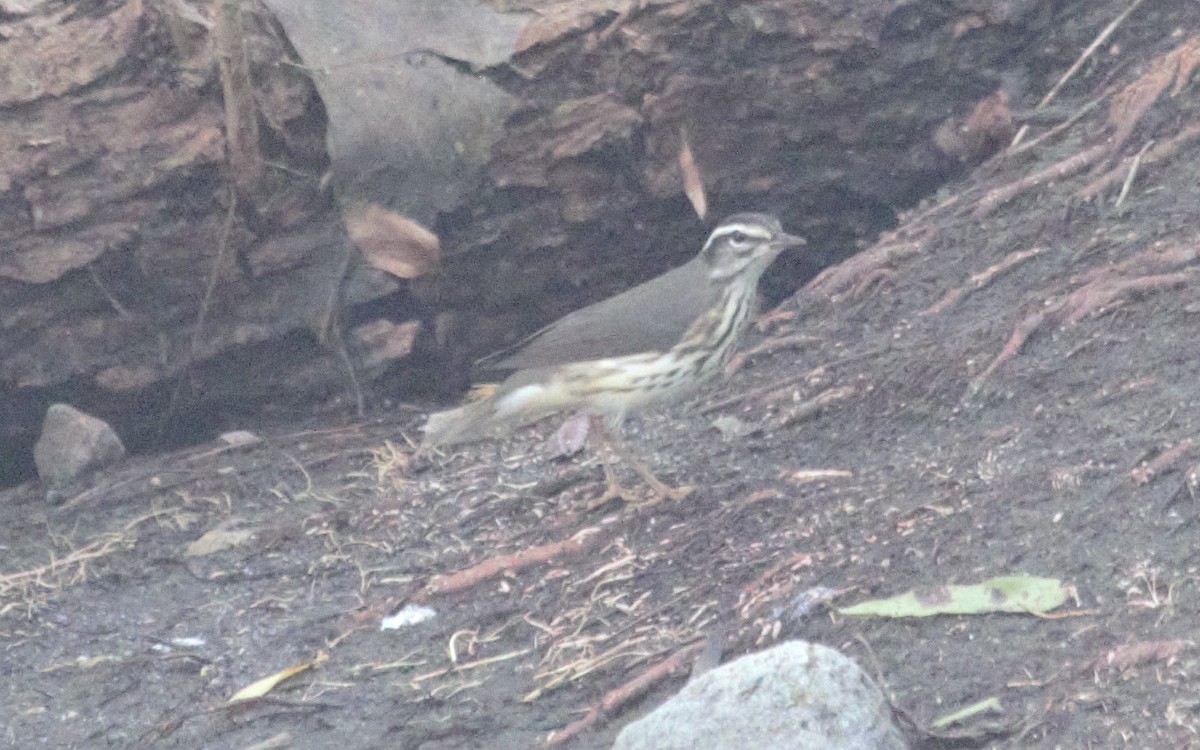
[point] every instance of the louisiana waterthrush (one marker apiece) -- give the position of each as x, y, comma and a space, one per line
651, 344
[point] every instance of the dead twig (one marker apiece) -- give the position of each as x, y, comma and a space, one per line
1068, 167
59, 572
816, 405
858, 273
617, 697
1016, 340
202, 314
121, 310
1087, 53
1158, 153
1132, 175
1146, 471
463, 579
467, 666
1019, 148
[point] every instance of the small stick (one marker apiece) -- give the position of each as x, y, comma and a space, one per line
619, 696
1132, 175
1156, 154
1147, 470
1020, 148
493, 566
1065, 168
1091, 48
1021, 333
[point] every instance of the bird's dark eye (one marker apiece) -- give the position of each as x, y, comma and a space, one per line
739, 238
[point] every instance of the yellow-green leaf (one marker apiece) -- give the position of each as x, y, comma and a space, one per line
1001, 594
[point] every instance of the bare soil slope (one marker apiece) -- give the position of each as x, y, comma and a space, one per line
1043, 419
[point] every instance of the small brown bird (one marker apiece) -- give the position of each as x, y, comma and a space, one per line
654, 343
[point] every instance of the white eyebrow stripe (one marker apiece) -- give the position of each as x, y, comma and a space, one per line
753, 230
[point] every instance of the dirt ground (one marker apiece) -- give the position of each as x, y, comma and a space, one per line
1047, 422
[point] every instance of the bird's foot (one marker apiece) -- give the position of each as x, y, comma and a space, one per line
658, 487
614, 490
674, 493
657, 495
659, 491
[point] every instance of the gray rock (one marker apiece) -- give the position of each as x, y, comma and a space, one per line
796, 696
73, 443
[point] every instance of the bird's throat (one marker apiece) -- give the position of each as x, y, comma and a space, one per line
709, 342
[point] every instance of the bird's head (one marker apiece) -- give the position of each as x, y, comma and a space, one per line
744, 245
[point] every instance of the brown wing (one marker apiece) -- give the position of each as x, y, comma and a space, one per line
652, 316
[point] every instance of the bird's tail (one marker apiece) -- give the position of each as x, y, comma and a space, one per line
474, 420
523, 399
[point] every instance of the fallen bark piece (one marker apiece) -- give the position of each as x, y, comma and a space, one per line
390, 241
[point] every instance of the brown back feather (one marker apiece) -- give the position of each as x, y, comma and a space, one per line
633, 321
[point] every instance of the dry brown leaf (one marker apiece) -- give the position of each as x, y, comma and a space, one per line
693, 185
987, 129
384, 341
1132, 655
261, 687
391, 242
571, 436
127, 377
225, 536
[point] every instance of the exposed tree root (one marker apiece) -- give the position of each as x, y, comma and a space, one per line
856, 275
980, 280
1147, 471
1068, 167
617, 697
574, 545
1102, 289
